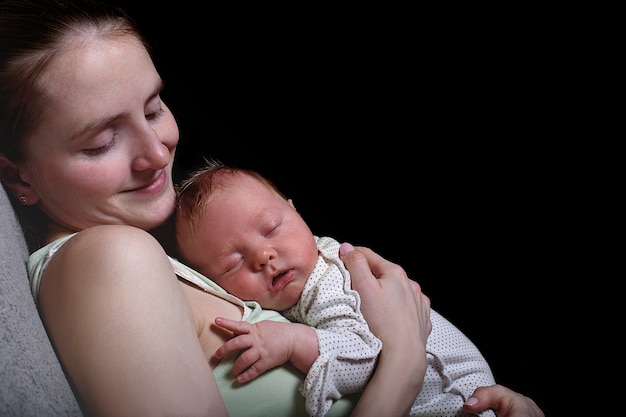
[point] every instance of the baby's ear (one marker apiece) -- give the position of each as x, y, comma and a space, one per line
290, 201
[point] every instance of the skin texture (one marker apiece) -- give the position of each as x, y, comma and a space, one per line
114, 143
121, 333
100, 163
109, 163
503, 401
375, 278
132, 338
250, 241
254, 244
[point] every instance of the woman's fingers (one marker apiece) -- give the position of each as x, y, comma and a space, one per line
399, 314
504, 401
390, 301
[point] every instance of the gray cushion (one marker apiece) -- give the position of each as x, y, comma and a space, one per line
32, 382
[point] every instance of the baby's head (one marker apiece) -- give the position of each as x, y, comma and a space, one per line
237, 228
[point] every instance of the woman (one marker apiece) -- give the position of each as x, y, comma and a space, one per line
87, 147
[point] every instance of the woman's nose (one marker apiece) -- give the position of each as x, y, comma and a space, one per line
152, 152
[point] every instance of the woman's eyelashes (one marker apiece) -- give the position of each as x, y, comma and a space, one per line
99, 150
156, 115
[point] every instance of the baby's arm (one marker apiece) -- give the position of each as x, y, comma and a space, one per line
348, 350
455, 369
268, 344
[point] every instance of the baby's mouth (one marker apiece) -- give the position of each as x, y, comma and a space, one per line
280, 280
277, 278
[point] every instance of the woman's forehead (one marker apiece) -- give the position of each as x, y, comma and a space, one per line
96, 64
97, 78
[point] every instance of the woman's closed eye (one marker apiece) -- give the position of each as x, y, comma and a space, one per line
156, 115
99, 150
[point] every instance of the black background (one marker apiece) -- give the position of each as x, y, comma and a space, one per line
412, 132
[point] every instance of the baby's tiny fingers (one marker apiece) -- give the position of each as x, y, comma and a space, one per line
250, 373
237, 343
247, 363
235, 326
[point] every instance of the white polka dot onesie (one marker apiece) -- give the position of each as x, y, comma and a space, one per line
348, 349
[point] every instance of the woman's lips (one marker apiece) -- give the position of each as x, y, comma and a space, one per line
155, 186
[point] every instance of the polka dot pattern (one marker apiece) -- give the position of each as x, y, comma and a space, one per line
349, 351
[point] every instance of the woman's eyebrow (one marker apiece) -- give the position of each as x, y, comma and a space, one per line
98, 124
101, 123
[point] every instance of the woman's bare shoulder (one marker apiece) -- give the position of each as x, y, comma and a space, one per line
100, 242
113, 233
110, 254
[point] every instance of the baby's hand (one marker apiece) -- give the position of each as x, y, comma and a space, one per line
265, 345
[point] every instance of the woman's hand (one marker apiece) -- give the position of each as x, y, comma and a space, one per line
504, 401
391, 302
399, 314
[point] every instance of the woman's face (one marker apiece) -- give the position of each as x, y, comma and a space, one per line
104, 151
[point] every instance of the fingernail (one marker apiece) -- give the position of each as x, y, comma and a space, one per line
345, 248
471, 401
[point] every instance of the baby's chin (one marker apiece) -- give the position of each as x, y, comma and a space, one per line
289, 297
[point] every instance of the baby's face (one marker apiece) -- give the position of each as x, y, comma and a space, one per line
252, 242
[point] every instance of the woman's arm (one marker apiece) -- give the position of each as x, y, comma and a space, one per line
388, 298
392, 304
123, 329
